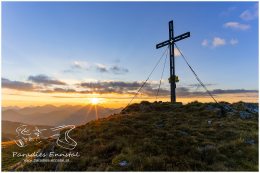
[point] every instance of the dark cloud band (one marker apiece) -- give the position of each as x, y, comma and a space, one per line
111, 87
17, 85
45, 80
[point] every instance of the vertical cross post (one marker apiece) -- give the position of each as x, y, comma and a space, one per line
172, 62
171, 42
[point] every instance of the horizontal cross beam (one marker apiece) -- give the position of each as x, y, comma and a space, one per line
182, 36
162, 44
178, 38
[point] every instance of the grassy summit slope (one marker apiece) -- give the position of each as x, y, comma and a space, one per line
166, 137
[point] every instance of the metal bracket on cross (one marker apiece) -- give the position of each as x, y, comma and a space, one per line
173, 79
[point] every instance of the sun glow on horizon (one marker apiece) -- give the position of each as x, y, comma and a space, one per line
94, 101
29, 99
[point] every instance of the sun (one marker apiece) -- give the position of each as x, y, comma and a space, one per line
94, 101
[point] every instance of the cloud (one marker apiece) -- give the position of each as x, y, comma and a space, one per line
102, 68
58, 90
17, 85
130, 88
150, 89
233, 41
79, 65
217, 41
199, 86
115, 69
114, 84
118, 70
64, 90
25, 86
228, 11
45, 80
176, 52
237, 26
233, 91
186, 92
153, 91
119, 87
205, 42
183, 91
250, 14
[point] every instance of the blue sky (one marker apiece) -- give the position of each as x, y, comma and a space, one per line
75, 41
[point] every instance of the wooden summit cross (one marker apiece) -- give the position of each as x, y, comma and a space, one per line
173, 79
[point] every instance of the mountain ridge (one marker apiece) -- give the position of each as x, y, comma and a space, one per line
53, 116
165, 137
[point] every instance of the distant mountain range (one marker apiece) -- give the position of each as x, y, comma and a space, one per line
54, 116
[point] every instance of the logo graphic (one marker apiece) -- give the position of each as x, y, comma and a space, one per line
26, 134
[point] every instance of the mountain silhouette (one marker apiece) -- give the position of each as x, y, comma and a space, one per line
53, 116
164, 137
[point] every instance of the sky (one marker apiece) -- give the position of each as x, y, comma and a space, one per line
71, 52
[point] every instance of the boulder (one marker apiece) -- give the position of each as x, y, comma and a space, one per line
245, 115
250, 141
183, 133
123, 163
253, 108
249, 107
214, 109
